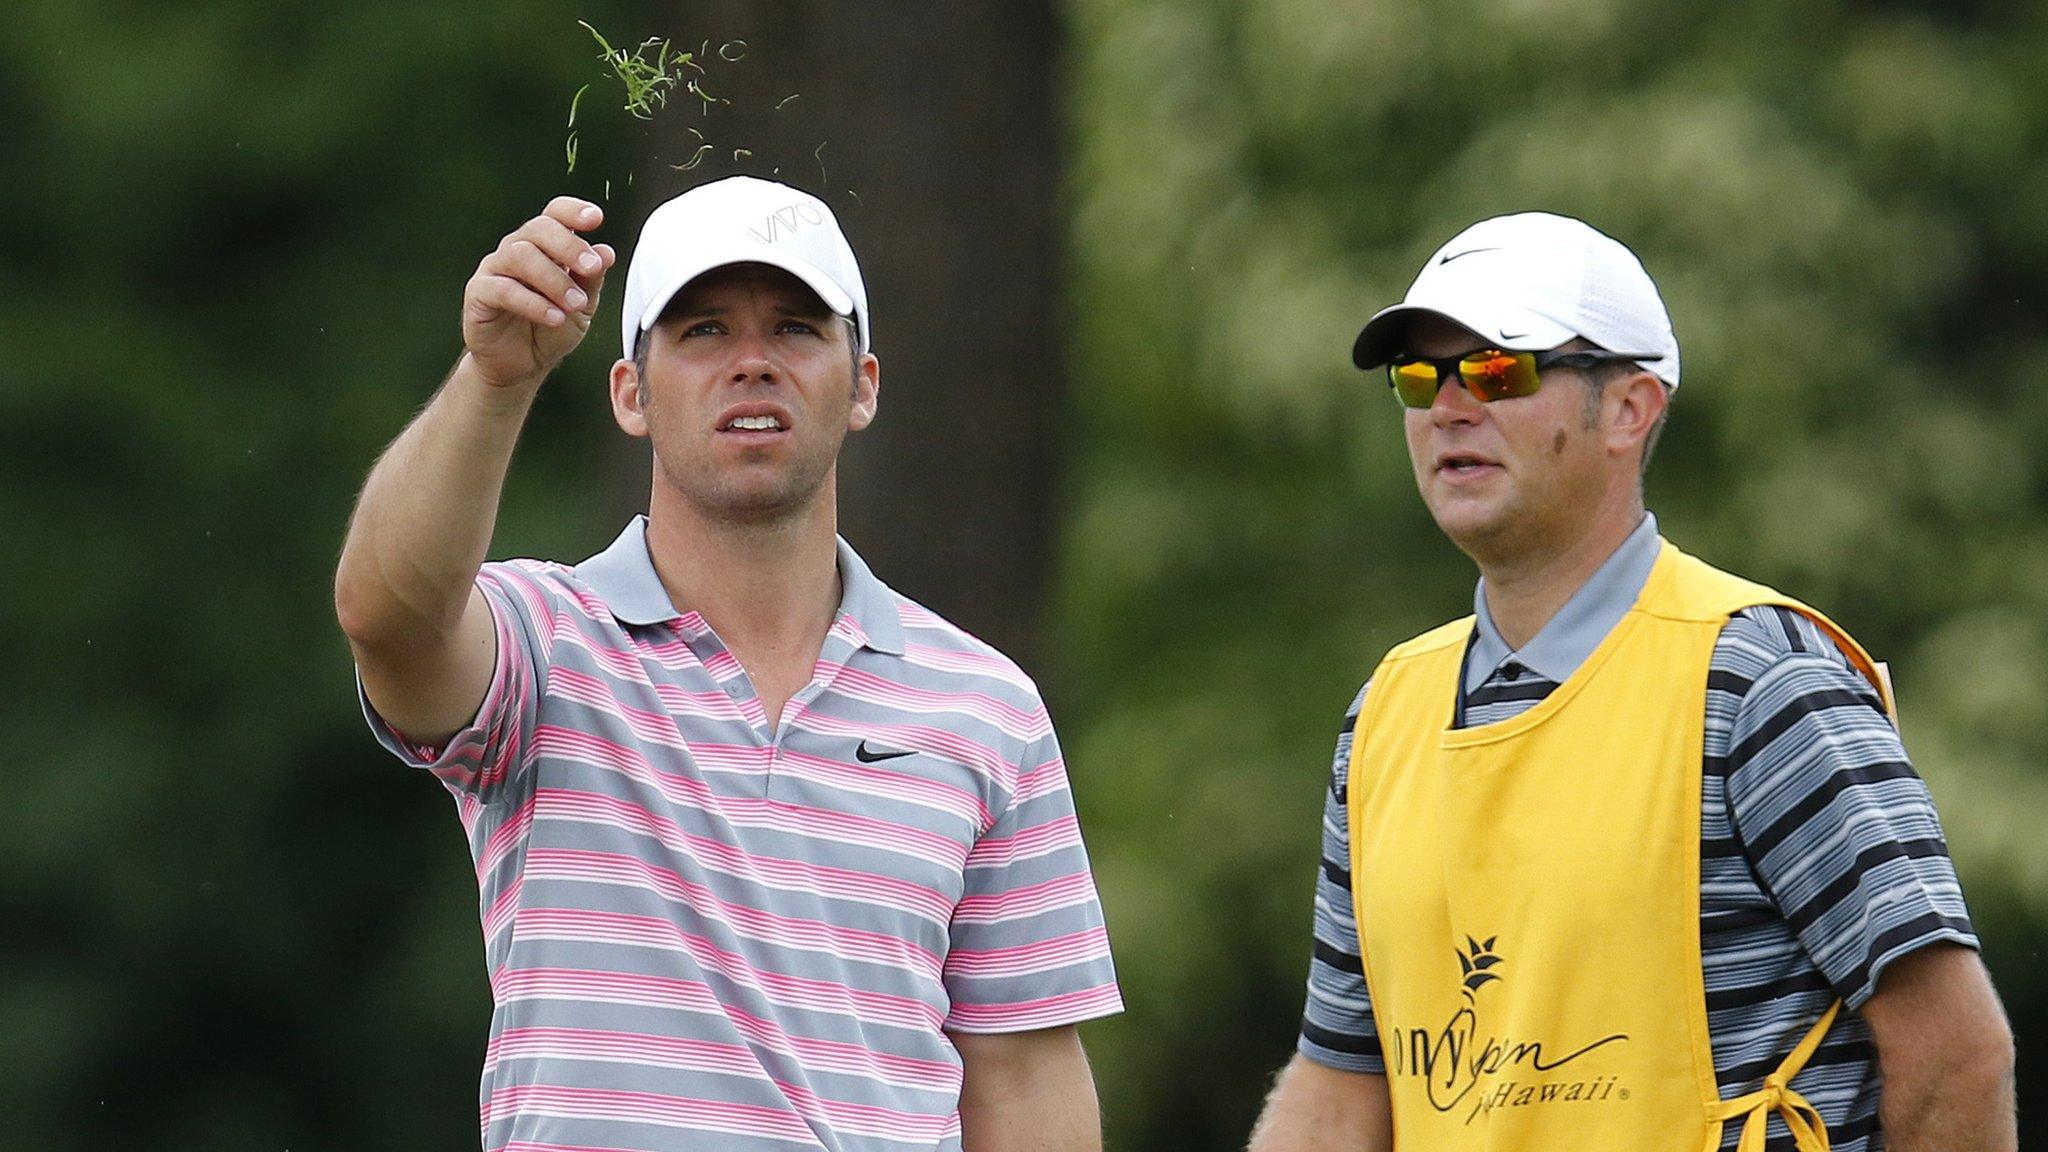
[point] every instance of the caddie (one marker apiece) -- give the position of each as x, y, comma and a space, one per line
1632, 859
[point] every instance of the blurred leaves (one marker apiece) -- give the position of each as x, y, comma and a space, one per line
241, 235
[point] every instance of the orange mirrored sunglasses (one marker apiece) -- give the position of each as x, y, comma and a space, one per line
1491, 374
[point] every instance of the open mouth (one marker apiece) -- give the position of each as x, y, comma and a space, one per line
754, 420
1464, 463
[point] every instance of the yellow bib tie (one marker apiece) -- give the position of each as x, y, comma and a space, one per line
1777, 1096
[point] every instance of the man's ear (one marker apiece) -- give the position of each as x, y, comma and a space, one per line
1639, 402
626, 400
867, 392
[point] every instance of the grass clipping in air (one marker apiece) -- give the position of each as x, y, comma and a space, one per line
649, 72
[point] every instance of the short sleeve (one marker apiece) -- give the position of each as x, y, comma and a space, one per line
488, 756
1840, 828
1029, 948
1337, 1028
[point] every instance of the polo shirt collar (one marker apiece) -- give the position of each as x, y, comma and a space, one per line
624, 578
869, 603
1557, 650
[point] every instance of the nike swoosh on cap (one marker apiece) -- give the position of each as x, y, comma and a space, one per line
1450, 256
866, 755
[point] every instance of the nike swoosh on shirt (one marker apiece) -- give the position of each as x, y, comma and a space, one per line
867, 756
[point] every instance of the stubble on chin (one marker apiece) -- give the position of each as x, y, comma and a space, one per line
735, 498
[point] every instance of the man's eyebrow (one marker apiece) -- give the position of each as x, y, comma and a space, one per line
808, 307
684, 307
804, 306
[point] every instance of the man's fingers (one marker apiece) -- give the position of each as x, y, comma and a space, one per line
604, 257
544, 272
491, 295
571, 212
563, 246
592, 281
521, 260
590, 294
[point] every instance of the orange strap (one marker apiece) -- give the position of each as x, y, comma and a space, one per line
1777, 1096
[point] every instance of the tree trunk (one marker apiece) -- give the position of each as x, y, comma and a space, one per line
929, 129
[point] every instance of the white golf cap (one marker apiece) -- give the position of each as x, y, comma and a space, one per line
1532, 281
740, 220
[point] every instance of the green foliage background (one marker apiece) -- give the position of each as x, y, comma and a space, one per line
237, 245
237, 241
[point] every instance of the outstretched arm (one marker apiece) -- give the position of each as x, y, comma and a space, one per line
405, 590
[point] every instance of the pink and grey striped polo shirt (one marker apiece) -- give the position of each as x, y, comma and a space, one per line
704, 934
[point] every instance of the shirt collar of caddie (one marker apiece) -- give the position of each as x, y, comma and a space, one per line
1557, 650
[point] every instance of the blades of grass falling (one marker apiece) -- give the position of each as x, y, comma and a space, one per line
694, 160
647, 82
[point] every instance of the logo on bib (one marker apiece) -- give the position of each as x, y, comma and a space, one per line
1464, 1065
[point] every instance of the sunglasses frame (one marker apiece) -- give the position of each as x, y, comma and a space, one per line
1538, 362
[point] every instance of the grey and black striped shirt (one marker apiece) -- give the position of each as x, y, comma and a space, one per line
1821, 856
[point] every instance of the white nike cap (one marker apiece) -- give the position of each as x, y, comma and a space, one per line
1532, 281
740, 220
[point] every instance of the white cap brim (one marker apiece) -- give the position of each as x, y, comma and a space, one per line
1498, 325
831, 293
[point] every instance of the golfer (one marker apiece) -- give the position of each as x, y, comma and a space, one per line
1632, 858
769, 857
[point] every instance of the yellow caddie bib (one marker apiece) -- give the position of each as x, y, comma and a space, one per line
1527, 893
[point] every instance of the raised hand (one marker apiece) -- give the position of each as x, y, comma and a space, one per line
531, 300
